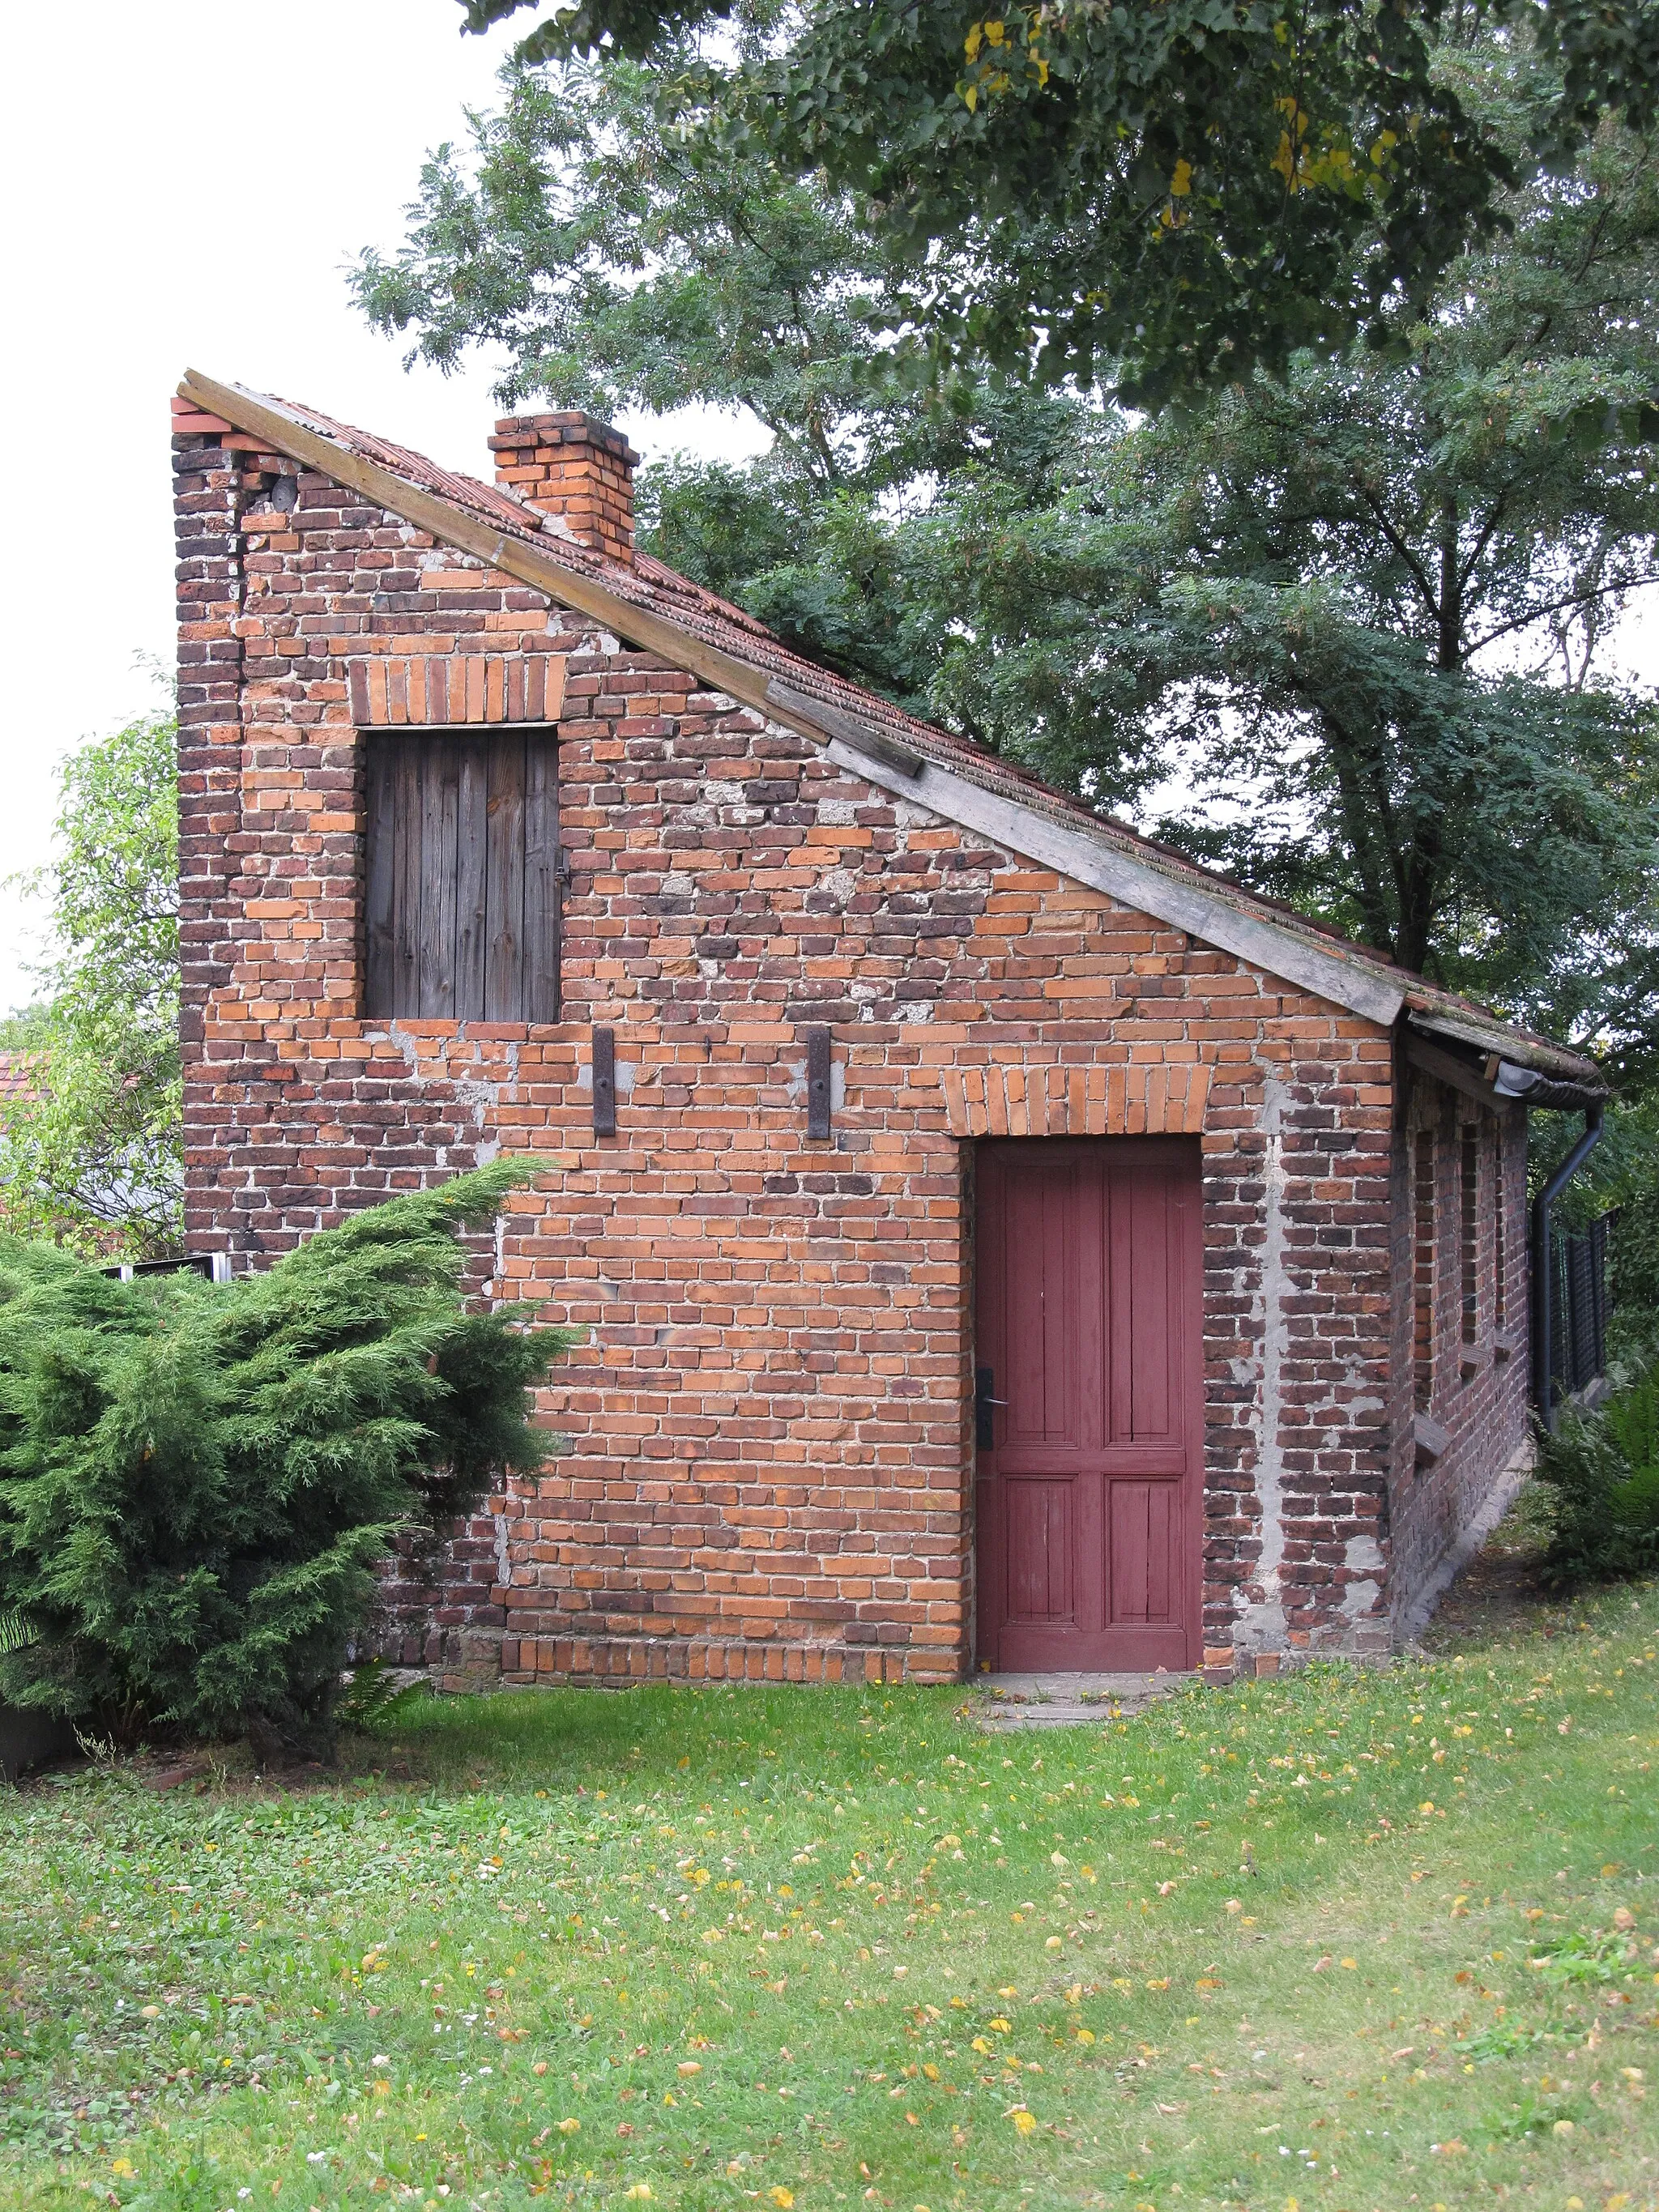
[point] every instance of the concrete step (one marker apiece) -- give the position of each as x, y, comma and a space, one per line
1003, 1702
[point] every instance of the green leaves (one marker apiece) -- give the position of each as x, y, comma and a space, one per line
1603, 1482
94, 1156
1339, 627
197, 1482
1022, 169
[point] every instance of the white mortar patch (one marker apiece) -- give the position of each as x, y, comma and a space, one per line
1360, 1599
1261, 1625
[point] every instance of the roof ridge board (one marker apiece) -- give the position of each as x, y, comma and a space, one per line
528, 558
960, 757
965, 753
1169, 860
419, 470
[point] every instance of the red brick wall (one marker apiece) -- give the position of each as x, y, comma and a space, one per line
1465, 1371
765, 1466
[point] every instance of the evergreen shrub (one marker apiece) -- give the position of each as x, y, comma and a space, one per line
197, 1481
1603, 1470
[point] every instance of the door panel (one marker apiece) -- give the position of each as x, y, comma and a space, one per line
1040, 1551
1152, 1391
1089, 1496
1145, 1531
1039, 1368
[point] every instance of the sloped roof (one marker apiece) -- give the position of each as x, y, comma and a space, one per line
652, 606
18, 1076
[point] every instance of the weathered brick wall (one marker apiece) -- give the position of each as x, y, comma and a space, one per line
766, 1466
1461, 1327
441, 1600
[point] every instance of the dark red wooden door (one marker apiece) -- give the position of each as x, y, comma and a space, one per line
1090, 1264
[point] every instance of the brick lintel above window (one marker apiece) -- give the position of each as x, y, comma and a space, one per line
432, 690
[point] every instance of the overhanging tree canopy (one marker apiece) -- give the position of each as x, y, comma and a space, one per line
1168, 191
1350, 617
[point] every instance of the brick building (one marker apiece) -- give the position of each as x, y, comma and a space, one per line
997, 1239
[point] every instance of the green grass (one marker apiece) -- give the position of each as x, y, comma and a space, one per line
1349, 1940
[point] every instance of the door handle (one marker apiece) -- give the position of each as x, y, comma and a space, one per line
984, 1383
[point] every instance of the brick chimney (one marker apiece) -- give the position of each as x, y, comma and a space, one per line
575, 469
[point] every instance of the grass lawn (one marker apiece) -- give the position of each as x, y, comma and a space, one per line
1346, 1941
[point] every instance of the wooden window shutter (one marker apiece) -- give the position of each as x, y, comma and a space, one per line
462, 896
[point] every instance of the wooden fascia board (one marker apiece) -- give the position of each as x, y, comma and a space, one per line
1446, 1067
864, 737
1089, 861
1022, 828
1492, 1038
452, 525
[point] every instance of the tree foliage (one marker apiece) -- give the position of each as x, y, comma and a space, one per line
1600, 1473
92, 1153
1168, 190
197, 1481
1338, 627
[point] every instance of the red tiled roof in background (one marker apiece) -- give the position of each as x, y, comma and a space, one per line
17, 1076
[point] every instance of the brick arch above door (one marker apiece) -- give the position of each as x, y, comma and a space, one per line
1153, 1098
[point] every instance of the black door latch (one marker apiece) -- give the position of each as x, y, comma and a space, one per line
984, 1383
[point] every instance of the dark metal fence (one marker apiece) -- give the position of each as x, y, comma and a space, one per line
1579, 1308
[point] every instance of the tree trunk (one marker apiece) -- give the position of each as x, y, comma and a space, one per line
1450, 654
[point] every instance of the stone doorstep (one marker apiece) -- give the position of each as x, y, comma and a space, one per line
1003, 1702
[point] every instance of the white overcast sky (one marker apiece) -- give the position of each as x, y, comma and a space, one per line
187, 185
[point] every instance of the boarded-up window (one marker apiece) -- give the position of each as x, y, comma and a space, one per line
463, 876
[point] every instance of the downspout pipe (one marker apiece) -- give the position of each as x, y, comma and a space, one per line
1543, 1275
